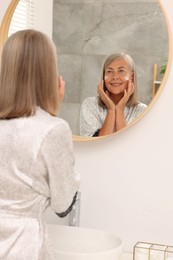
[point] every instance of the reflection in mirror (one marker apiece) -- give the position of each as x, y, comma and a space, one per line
117, 103
87, 32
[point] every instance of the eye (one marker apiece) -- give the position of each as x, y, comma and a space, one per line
122, 70
109, 71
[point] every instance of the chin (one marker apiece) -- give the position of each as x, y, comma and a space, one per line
117, 92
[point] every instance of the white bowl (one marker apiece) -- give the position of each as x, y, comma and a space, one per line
76, 243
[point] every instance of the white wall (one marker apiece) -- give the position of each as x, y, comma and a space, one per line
127, 179
3, 6
44, 16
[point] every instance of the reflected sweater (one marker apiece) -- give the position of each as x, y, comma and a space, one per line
92, 115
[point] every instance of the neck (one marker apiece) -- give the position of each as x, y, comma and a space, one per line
116, 98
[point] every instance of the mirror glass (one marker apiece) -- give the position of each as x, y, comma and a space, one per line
86, 32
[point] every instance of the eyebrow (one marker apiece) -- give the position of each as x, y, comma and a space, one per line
109, 68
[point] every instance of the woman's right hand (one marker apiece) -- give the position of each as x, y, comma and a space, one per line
109, 123
105, 97
61, 88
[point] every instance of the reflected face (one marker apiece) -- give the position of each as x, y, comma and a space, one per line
117, 76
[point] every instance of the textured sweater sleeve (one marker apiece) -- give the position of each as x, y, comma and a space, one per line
57, 151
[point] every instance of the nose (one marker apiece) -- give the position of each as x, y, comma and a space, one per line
115, 76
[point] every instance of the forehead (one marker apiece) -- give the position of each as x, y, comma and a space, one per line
119, 63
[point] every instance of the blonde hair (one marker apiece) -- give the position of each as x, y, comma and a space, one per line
28, 75
133, 100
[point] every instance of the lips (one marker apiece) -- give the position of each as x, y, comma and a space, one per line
117, 84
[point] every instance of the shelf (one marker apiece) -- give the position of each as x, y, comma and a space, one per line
157, 82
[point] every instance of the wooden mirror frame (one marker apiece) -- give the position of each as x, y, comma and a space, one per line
4, 28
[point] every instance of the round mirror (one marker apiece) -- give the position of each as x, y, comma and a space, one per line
86, 32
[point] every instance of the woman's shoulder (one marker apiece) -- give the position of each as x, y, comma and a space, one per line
91, 103
90, 100
50, 122
138, 108
141, 105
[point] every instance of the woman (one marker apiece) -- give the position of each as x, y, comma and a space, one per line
37, 164
116, 104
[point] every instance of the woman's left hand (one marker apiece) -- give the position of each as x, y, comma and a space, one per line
105, 97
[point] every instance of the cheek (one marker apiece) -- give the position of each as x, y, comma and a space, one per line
106, 78
126, 81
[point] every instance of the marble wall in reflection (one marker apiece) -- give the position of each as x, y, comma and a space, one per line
87, 31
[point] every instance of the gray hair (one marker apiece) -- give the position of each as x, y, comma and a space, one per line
133, 100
